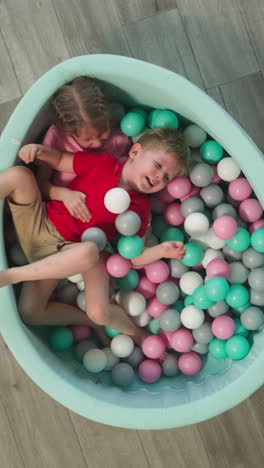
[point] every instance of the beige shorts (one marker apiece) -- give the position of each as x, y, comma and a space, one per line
37, 235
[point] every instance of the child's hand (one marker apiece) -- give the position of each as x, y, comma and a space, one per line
75, 204
173, 249
29, 152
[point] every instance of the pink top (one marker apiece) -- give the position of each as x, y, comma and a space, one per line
117, 144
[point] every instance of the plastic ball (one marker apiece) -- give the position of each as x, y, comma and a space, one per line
225, 227
135, 358
194, 135
223, 327
158, 225
167, 292
177, 268
200, 298
170, 366
170, 320
122, 345
143, 319
256, 225
257, 240
228, 169
256, 279
252, 259
179, 187
252, 318
60, 338
256, 297
219, 308
239, 189
212, 195
111, 332
250, 210
153, 346
218, 267
217, 348
133, 302
201, 174
149, 371
122, 374
130, 246
189, 363
81, 348
154, 326
193, 254
146, 287
238, 273
111, 359
75, 278
224, 209
231, 255
213, 241
211, 152
95, 235
192, 205
203, 334
209, 255
196, 224
128, 223
237, 347
173, 214
80, 301
80, 332
94, 360
216, 288
172, 234
192, 317
163, 118
155, 307
118, 266
189, 281
182, 340
237, 296
157, 271
132, 124
128, 281
117, 200
240, 329
240, 241
141, 111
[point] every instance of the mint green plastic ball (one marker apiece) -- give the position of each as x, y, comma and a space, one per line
237, 347
237, 296
132, 124
129, 281
172, 234
193, 254
154, 326
238, 310
217, 348
188, 300
158, 225
60, 338
141, 111
111, 332
162, 118
130, 246
211, 152
240, 329
240, 241
200, 298
178, 305
257, 240
216, 288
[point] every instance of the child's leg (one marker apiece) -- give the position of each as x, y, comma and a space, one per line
100, 310
19, 184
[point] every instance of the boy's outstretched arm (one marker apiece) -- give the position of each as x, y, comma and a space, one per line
61, 161
168, 249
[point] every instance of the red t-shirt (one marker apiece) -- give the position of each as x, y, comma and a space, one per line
94, 177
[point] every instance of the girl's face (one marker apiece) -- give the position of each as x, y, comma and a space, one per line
150, 170
90, 137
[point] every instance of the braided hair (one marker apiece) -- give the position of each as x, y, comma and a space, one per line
80, 102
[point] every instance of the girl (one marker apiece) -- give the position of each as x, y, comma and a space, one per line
82, 122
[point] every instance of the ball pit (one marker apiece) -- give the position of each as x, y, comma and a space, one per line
222, 382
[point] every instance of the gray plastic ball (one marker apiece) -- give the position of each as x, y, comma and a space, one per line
224, 209
256, 297
231, 255
122, 374
203, 334
167, 292
194, 135
252, 318
128, 223
200, 348
170, 366
219, 308
212, 195
177, 268
252, 259
201, 174
256, 279
81, 348
95, 235
192, 205
135, 358
239, 273
170, 320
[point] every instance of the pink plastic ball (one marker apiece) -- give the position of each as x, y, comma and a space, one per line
164, 195
157, 272
223, 327
155, 307
218, 267
225, 227
118, 266
153, 346
179, 187
256, 225
80, 332
182, 340
195, 192
149, 371
166, 336
146, 287
250, 210
239, 189
189, 363
173, 214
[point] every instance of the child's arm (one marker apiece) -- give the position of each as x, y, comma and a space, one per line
168, 249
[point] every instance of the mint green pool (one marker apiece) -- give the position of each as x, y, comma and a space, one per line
172, 402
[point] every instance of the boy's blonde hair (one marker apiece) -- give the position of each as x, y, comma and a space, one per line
79, 102
171, 141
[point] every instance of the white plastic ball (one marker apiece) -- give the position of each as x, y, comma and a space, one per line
196, 224
117, 200
209, 255
122, 346
133, 302
94, 360
228, 169
143, 319
190, 281
192, 317
75, 278
81, 286
213, 241
80, 300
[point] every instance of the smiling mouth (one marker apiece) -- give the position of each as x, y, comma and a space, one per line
149, 182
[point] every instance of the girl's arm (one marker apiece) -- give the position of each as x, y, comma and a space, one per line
61, 161
168, 249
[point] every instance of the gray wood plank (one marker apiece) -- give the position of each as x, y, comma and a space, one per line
253, 13
9, 87
216, 94
44, 431
236, 438
34, 37
181, 448
6, 110
133, 10
92, 27
244, 100
109, 446
219, 39
161, 40
166, 4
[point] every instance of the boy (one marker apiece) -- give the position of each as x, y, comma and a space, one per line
50, 236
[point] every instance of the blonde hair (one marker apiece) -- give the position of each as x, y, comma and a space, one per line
80, 102
170, 140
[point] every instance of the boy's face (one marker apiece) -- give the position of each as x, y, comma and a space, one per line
90, 137
151, 168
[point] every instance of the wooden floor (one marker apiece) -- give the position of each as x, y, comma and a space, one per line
217, 44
